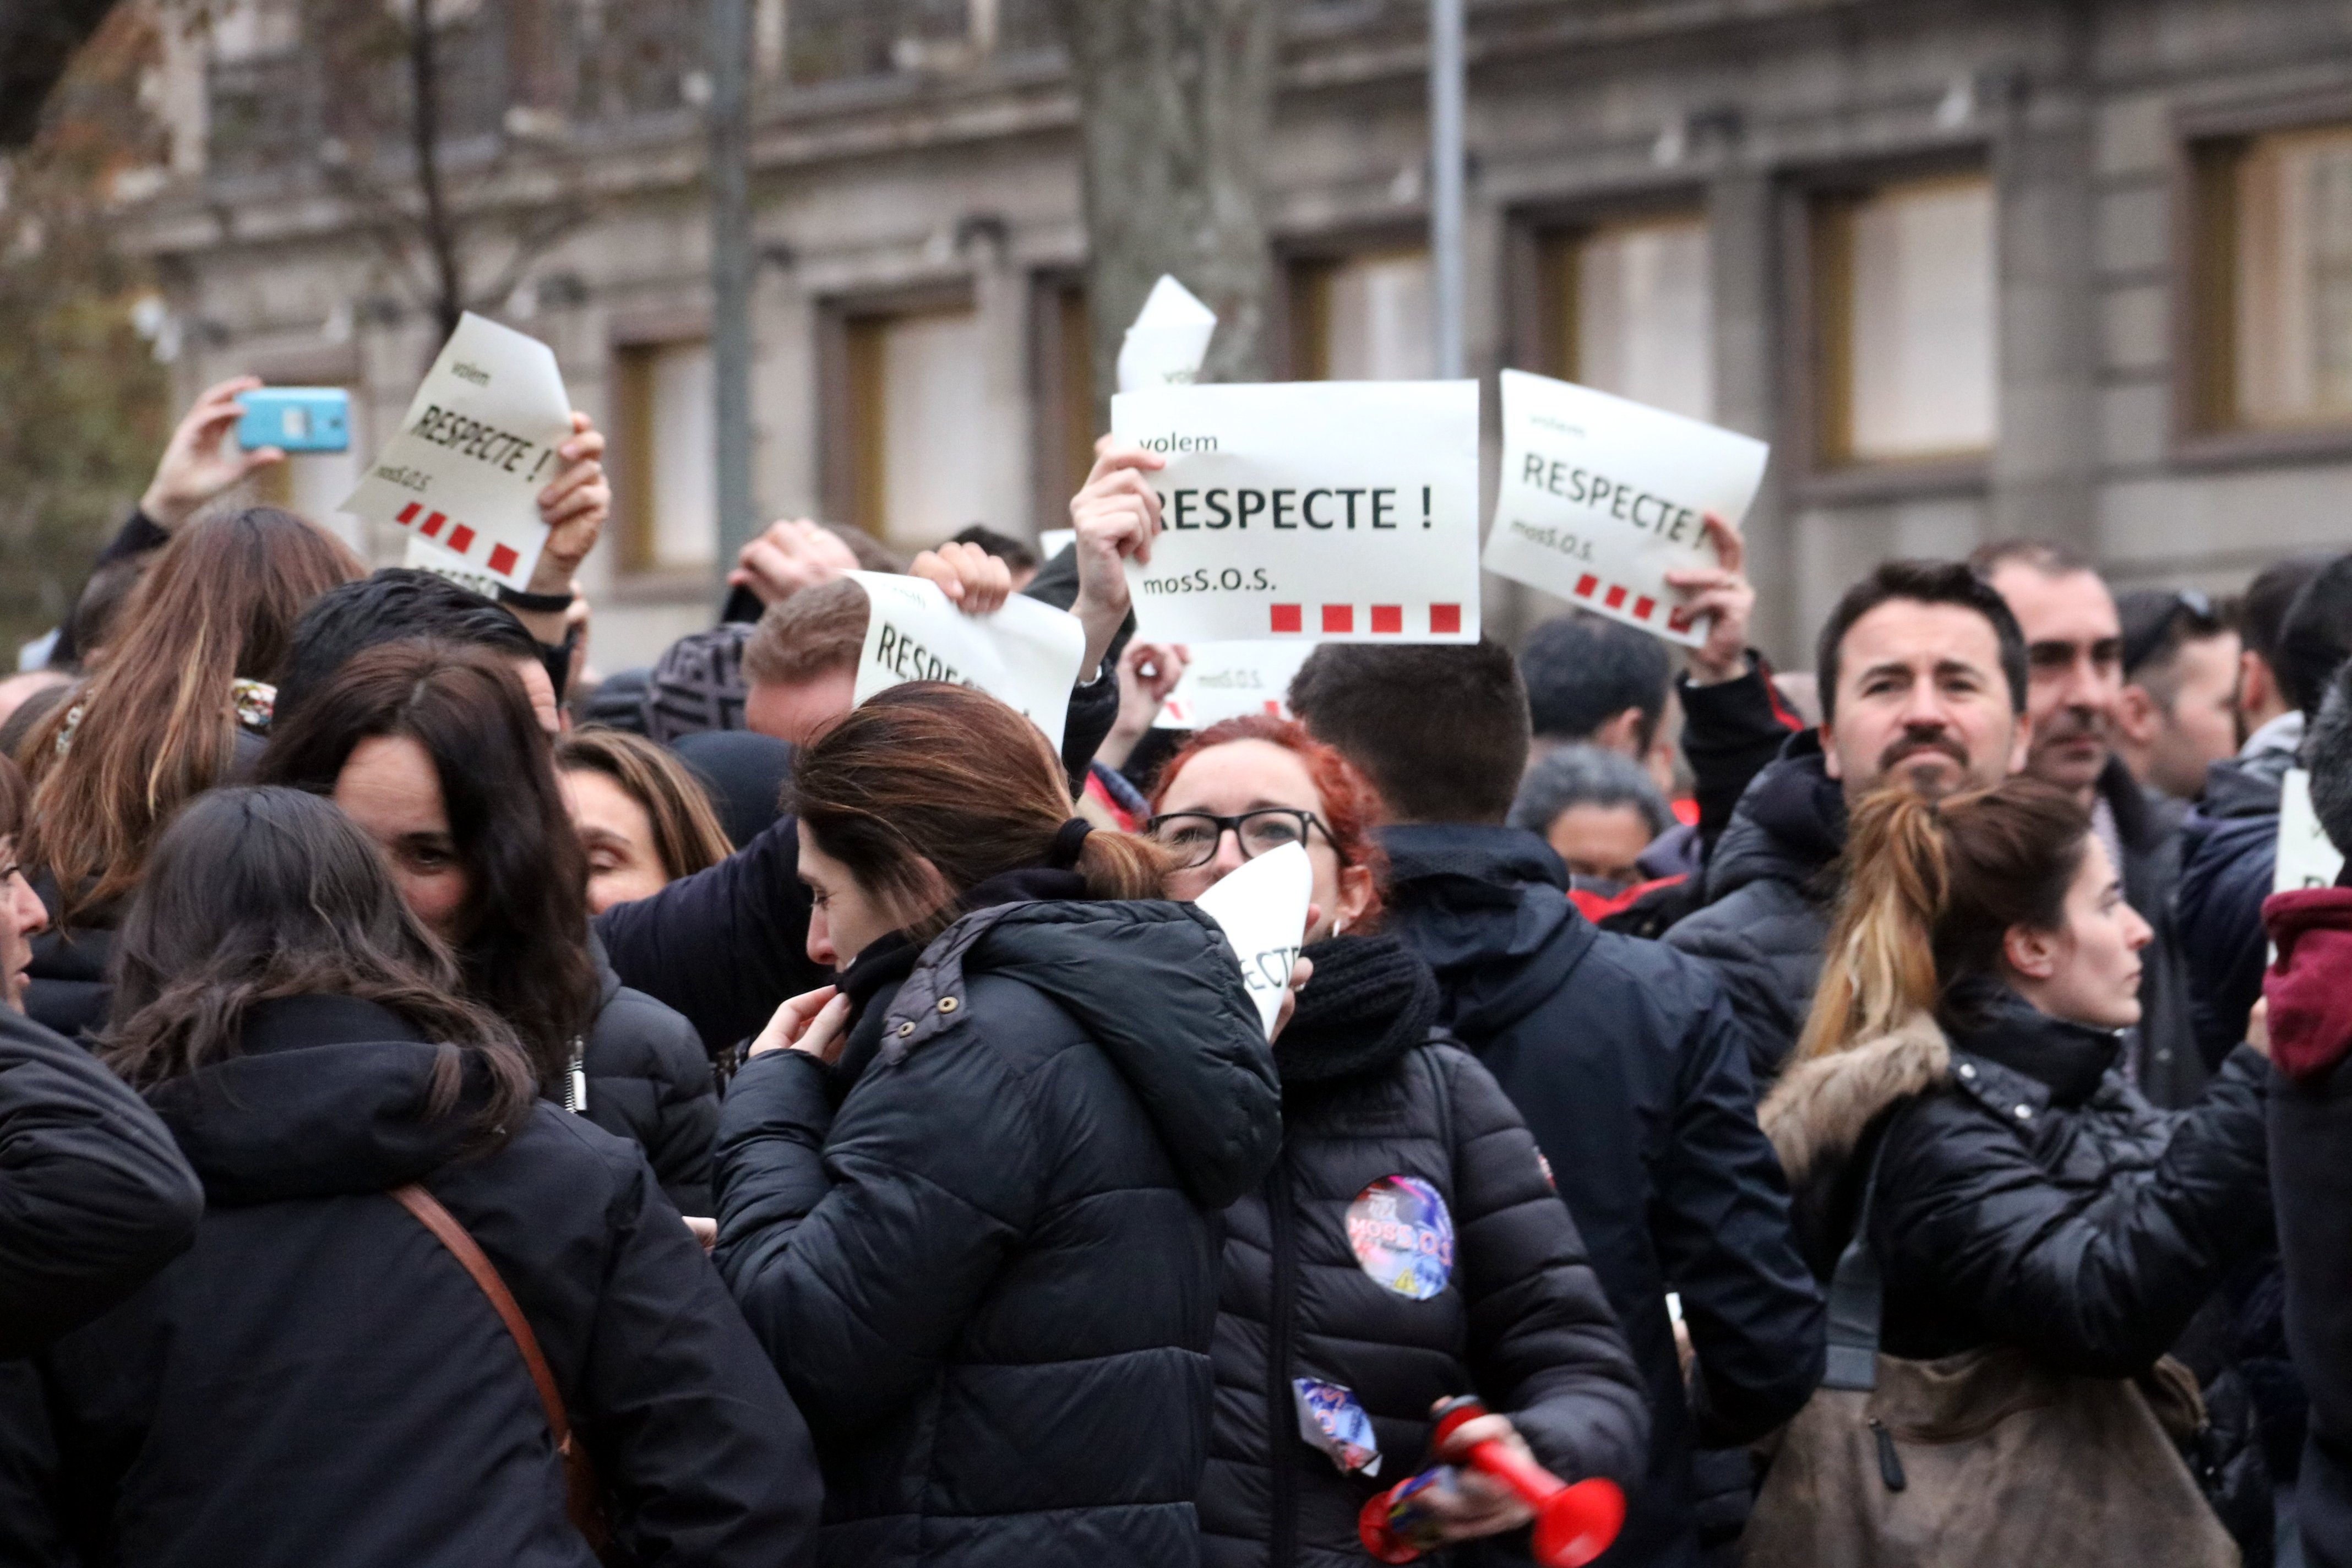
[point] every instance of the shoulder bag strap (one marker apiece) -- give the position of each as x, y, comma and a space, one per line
579, 1471
1857, 1298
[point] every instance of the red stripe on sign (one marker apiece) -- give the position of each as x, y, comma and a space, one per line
461, 539
1446, 618
1273, 708
1387, 617
433, 525
408, 513
1642, 607
1338, 617
1586, 584
503, 559
1680, 620
1287, 617
1615, 597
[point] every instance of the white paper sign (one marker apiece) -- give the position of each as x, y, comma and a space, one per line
1332, 512
423, 555
1025, 655
1228, 679
474, 450
1053, 541
2306, 857
1168, 339
1599, 498
1263, 909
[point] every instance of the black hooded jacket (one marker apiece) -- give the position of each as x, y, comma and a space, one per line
2228, 854
1516, 1316
94, 1196
1632, 1071
982, 1251
648, 1079
318, 1384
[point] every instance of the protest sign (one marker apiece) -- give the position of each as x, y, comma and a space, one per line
2306, 859
1599, 498
1025, 655
473, 450
423, 555
1262, 909
1167, 340
1228, 679
1331, 511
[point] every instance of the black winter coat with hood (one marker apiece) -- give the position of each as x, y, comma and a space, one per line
983, 1249
318, 1384
1371, 1105
1632, 1071
648, 1080
2228, 854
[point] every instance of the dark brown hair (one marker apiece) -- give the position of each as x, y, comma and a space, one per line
12, 796
1932, 889
930, 772
815, 631
524, 952
1440, 729
1351, 808
258, 894
157, 724
687, 834
1924, 582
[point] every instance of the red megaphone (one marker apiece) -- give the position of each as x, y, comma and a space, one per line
1574, 1524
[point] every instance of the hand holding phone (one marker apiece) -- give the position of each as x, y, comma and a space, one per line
296, 419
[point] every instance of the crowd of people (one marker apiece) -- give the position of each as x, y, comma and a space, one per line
459, 1107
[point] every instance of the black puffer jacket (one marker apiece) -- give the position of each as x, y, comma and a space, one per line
318, 1384
1769, 892
2229, 853
1371, 1104
988, 1270
94, 1196
650, 1080
1632, 1072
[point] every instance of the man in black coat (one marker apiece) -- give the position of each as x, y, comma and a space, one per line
1625, 1058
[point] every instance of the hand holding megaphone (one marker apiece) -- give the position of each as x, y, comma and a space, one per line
1574, 1523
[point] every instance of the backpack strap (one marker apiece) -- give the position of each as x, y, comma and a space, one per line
1857, 1302
579, 1471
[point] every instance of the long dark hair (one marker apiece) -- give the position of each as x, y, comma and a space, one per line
255, 894
523, 942
932, 772
157, 724
1932, 888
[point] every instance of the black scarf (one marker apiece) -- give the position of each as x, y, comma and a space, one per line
1372, 1000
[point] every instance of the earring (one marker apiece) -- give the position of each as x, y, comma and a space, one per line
1340, 926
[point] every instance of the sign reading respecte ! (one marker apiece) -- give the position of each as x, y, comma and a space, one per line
1334, 511
1230, 679
475, 448
1025, 655
1599, 498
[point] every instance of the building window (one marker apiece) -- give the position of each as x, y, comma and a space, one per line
668, 469
915, 380
1903, 292
2274, 280
1632, 312
1363, 318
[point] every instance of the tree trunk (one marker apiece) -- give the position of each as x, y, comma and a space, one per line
1176, 106
424, 139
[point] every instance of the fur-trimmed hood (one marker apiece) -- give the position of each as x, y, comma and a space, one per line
1817, 1112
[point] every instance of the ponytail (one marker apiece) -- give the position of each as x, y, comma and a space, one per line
1878, 968
1123, 865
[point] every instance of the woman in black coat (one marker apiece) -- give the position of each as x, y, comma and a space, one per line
319, 1381
1334, 1336
2026, 1194
434, 751
967, 1197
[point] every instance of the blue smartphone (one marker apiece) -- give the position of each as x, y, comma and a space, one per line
296, 418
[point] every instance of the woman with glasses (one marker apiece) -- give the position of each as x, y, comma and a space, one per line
1408, 1246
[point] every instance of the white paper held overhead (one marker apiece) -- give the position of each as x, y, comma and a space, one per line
1599, 498
1262, 909
2306, 856
423, 555
1228, 679
473, 451
1167, 340
1334, 511
1025, 655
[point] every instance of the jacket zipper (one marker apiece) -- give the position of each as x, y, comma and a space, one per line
1281, 1416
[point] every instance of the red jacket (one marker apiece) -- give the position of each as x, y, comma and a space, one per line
2309, 987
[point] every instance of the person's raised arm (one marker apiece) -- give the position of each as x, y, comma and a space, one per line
202, 461
1734, 722
574, 505
789, 556
1115, 516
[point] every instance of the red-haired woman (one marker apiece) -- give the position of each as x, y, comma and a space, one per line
1408, 1246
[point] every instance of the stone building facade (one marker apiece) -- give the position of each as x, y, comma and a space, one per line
2080, 269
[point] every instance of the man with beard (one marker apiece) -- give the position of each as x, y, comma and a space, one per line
1923, 681
2075, 695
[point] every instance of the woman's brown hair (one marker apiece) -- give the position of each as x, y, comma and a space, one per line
1932, 889
157, 725
930, 772
687, 834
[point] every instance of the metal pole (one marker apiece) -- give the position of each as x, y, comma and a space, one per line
1445, 159
729, 57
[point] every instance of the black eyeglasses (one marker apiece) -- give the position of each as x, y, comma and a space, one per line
1195, 835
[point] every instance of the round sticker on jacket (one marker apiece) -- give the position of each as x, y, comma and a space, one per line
1403, 1237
